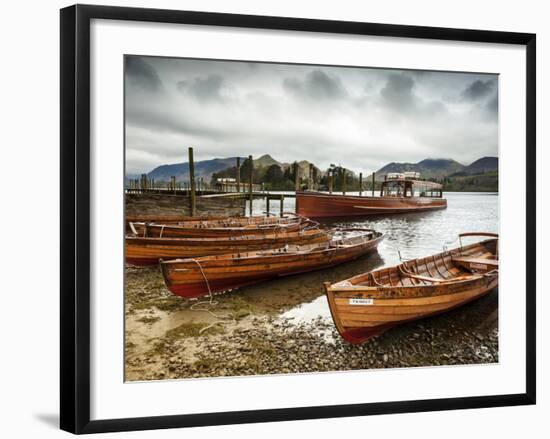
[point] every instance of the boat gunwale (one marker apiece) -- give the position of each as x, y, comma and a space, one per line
339, 286
363, 197
246, 256
239, 238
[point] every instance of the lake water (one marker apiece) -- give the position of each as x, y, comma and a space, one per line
413, 235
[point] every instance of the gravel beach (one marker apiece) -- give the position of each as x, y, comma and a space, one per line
283, 326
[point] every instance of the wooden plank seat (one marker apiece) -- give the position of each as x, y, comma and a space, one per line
407, 273
493, 263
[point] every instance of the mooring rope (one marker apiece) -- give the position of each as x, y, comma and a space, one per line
211, 302
447, 243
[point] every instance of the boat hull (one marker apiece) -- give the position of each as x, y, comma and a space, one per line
357, 328
321, 205
137, 222
175, 231
371, 303
148, 251
203, 276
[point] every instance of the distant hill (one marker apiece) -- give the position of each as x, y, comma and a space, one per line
482, 182
428, 168
481, 166
266, 160
204, 169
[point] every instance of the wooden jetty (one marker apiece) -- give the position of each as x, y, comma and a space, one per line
197, 188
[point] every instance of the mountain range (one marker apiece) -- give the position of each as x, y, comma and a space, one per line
203, 168
428, 168
440, 168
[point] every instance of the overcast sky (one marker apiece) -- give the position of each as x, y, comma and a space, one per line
358, 117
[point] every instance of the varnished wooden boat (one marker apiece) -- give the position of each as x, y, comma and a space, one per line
213, 274
190, 220
173, 219
148, 251
215, 230
397, 195
370, 303
201, 223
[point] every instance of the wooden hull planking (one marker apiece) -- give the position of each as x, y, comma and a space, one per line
147, 230
148, 251
371, 303
202, 276
321, 205
220, 221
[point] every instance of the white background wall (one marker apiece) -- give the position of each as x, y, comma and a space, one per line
29, 203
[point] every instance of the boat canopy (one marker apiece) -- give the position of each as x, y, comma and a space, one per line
406, 187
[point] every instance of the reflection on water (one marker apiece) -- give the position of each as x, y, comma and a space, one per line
413, 234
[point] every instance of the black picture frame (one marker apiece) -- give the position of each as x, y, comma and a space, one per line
75, 217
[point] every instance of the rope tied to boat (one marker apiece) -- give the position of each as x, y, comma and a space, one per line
446, 244
211, 302
402, 259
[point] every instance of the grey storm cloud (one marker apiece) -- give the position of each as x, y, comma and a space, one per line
492, 105
479, 89
361, 118
207, 88
316, 85
141, 75
398, 91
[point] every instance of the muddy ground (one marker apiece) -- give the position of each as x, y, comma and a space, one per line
284, 326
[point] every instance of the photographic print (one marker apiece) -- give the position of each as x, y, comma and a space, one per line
293, 218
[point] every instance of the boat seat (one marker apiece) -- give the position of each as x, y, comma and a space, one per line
425, 278
481, 261
406, 273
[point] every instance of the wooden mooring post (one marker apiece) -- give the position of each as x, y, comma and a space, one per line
373, 181
192, 194
360, 183
343, 182
250, 196
238, 174
310, 178
282, 209
267, 205
330, 172
296, 176
173, 183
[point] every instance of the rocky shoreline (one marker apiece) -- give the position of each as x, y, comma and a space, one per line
247, 332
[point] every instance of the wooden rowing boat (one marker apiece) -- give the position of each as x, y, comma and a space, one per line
370, 303
213, 274
202, 223
172, 219
220, 220
215, 230
148, 251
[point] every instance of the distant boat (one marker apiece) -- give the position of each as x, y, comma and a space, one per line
370, 303
148, 251
213, 274
400, 193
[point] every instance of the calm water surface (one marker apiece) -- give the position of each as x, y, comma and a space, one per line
413, 234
